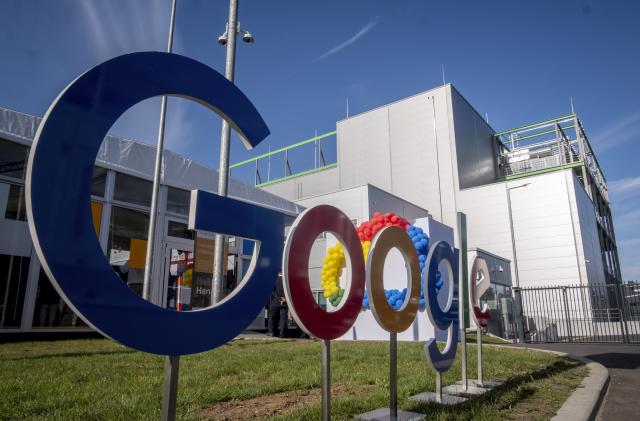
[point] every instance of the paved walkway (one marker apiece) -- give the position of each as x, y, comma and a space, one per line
622, 401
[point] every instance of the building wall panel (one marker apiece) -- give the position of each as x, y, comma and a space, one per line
363, 155
413, 142
476, 157
587, 224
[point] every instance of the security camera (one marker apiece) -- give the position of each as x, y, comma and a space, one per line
222, 39
248, 38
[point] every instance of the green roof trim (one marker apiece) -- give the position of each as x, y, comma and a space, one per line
298, 174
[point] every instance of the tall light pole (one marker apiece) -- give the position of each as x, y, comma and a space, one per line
513, 237
153, 216
228, 39
172, 362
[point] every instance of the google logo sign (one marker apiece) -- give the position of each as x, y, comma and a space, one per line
58, 205
394, 319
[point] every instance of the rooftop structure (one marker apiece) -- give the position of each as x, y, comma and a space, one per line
535, 194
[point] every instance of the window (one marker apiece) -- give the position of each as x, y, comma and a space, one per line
98, 181
132, 190
178, 201
13, 159
96, 216
51, 310
14, 271
320, 299
489, 297
179, 229
127, 247
16, 206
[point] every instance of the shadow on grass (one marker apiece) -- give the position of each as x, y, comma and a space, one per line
250, 342
69, 354
500, 395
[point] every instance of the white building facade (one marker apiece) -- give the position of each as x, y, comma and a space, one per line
539, 201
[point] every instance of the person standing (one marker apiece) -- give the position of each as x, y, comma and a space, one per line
278, 310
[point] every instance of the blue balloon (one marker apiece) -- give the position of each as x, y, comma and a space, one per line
395, 297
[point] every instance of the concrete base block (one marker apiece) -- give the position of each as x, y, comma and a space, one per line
458, 390
383, 414
431, 397
486, 384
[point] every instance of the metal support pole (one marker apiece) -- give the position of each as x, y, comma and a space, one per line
479, 346
326, 380
286, 162
561, 151
172, 363
513, 238
170, 387
622, 313
256, 175
148, 265
518, 312
438, 387
583, 157
566, 312
463, 295
223, 171
393, 376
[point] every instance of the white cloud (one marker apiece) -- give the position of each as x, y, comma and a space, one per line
630, 219
180, 129
116, 27
362, 32
617, 133
632, 242
631, 271
629, 253
624, 188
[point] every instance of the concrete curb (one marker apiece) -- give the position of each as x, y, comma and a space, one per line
585, 402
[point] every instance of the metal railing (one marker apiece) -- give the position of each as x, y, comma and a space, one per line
541, 147
537, 133
549, 145
579, 313
312, 155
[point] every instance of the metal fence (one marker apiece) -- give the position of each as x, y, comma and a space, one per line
575, 313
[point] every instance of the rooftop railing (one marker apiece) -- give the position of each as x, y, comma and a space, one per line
308, 156
549, 145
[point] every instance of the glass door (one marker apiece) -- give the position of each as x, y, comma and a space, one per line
178, 276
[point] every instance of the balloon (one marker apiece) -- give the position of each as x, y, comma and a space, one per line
334, 260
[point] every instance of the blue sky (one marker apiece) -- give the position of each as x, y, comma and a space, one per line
518, 62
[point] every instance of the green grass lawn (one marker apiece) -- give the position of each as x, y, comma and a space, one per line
252, 379
472, 337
